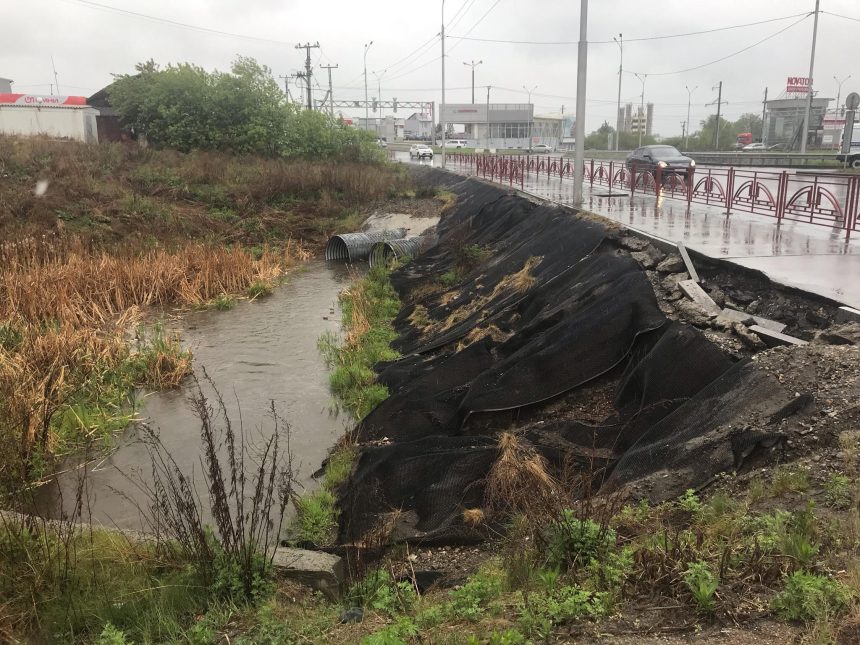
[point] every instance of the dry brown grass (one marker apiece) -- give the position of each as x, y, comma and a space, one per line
520, 480
51, 280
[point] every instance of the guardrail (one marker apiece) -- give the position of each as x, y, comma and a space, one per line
779, 159
831, 200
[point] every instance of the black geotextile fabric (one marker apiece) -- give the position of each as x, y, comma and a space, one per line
552, 305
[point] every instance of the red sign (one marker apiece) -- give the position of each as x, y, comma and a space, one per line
37, 100
797, 85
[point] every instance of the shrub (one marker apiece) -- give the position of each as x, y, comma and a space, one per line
258, 289
808, 596
223, 302
838, 492
540, 613
702, 583
572, 541
450, 278
469, 601
789, 479
689, 502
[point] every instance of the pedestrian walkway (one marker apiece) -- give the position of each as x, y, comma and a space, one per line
808, 257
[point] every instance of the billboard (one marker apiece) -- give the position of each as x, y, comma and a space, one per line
38, 100
797, 85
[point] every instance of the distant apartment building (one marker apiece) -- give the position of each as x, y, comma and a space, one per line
632, 119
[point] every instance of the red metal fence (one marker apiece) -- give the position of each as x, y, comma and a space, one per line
826, 199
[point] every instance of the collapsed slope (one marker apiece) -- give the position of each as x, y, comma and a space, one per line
519, 314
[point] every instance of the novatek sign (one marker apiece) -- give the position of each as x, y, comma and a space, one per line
37, 100
797, 85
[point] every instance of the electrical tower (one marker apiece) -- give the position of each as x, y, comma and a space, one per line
309, 70
330, 96
719, 103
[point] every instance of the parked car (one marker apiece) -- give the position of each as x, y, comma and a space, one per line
754, 147
420, 151
852, 157
666, 157
381, 143
456, 143
541, 147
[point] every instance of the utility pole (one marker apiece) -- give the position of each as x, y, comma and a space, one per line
56, 80
689, 100
309, 70
719, 103
330, 89
619, 120
532, 112
300, 76
473, 65
764, 118
442, 107
561, 127
488, 117
287, 87
684, 130
642, 79
366, 117
808, 108
581, 69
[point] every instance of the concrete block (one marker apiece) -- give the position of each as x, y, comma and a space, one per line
847, 314
740, 316
773, 338
695, 293
691, 269
318, 570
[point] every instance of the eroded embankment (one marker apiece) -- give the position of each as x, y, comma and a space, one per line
530, 319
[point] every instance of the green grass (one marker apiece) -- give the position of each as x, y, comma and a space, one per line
316, 517
223, 302
368, 308
258, 289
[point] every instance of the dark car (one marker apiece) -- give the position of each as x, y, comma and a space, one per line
668, 158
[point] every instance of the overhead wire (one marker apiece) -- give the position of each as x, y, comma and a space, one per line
733, 54
631, 40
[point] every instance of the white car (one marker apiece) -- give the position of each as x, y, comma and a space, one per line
381, 143
754, 147
541, 147
420, 151
456, 143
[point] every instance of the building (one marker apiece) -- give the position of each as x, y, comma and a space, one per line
388, 128
631, 122
107, 121
503, 125
419, 126
784, 122
66, 117
5, 85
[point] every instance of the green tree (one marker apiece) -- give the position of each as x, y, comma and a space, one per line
242, 111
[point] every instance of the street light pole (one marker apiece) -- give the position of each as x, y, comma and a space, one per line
805, 133
531, 113
379, 88
642, 80
473, 65
618, 119
581, 69
839, 93
443, 107
488, 117
689, 99
366, 115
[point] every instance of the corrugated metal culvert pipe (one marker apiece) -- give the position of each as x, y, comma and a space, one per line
385, 252
354, 247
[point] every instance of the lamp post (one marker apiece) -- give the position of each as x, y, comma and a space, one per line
366, 114
839, 92
618, 120
473, 65
488, 117
808, 102
531, 113
689, 99
378, 77
581, 70
642, 78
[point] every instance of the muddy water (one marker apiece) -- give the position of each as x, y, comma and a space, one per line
255, 353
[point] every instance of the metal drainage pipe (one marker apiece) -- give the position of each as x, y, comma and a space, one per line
354, 247
385, 252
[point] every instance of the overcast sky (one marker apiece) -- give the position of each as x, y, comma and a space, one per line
89, 43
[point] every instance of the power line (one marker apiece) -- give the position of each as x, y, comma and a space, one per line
175, 23
733, 54
839, 15
642, 39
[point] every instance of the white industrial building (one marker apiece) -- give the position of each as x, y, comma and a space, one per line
62, 117
504, 125
419, 126
388, 128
